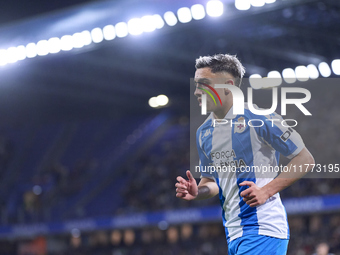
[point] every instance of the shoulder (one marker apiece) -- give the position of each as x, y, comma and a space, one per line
206, 124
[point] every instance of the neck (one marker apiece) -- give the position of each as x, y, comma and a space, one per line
222, 112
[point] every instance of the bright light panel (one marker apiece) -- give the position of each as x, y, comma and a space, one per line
184, 15
255, 81
162, 100
31, 50
170, 18
78, 41
313, 71
3, 57
242, 5
274, 79
66, 43
21, 52
148, 23
121, 29
288, 75
257, 3
42, 48
197, 11
214, 8
87, 40
109, 32
325, 70
54, 45
12, 55
336, 66
159, 22
97, 35
301, 73
135, 26
153, 102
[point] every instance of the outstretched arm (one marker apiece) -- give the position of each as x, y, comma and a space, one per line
255, 195
188, 189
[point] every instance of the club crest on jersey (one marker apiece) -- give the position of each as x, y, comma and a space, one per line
240, 125
208, 132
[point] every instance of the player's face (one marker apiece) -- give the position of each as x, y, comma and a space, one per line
205, 80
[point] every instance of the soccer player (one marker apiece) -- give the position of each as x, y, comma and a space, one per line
253, 215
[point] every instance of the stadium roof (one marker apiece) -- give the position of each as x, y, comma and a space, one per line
119, 76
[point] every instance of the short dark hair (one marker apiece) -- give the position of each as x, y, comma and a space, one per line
223, 63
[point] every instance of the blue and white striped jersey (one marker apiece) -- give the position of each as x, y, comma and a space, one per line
245, 148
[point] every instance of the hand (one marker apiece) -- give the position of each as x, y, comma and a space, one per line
186, 189
254, 195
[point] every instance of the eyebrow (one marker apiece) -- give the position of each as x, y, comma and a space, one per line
203, 80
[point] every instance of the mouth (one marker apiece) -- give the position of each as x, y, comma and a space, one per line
199, 101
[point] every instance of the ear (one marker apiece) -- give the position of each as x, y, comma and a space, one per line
230, 82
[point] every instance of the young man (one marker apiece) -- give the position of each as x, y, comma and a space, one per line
254, 218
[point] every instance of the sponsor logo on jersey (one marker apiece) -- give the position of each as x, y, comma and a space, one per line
240, 126
208, 132
285, 136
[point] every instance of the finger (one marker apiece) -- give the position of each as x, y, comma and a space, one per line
182, 191
246, 192
254, 204
181, 186
180, 195
247, 198
251, 201
247, 183
189, 175
181, 179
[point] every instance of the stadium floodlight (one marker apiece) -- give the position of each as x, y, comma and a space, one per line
288, 75
336, 66
159, 22
148, 23
257, 3
78, 41
12, 55
31, 50
42, 48
270, 1
255, 81
184, 15
121, 29
97, 35
153, 102
66, 43
21, 52
87, 40
242, 5
197, 11
274, 79
170, 18
3, 57
313, 71
214, 8
301, 73
135, 26
54, 45
109, 32
324, 69
162, 100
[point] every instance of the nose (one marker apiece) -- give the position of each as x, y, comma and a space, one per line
198, 92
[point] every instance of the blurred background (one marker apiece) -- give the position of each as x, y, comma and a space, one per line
94, 110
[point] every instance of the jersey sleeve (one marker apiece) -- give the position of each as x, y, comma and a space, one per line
280, 136
203, 159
